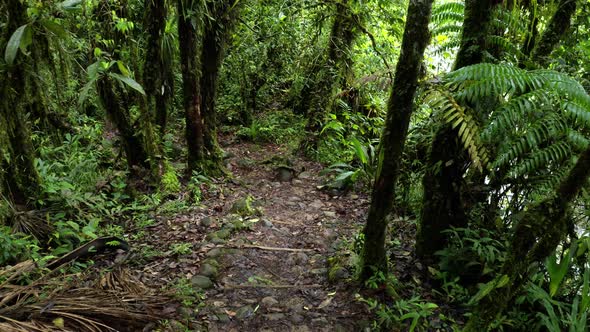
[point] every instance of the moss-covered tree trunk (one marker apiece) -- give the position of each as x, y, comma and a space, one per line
399, 110
335, 70
538, 231
137, 136
189, 65
445, 167
18, 174
556, 29
215, 35
155, 70
116, 105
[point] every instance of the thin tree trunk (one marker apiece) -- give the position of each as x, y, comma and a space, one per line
17, 160
154, 70
538, 231
187, 37
556, 29
335, 70
138, 141
214, 42
399, 110
443, 179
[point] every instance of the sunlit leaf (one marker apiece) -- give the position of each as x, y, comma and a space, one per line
129, 82
13, 44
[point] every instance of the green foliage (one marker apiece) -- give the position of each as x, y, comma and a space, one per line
471, 253
184, 291
15, 247
535, 123
183, 248
401, 314
274, 127
169, 181
361, 169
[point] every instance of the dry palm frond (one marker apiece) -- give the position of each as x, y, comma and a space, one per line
111, 301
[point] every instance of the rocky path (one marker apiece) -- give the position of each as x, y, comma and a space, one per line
264, 247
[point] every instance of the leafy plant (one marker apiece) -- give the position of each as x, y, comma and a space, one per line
362, 168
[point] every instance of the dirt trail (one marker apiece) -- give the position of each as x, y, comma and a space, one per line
272, 275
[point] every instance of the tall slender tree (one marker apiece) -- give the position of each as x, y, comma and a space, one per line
189, 65
399, 110
334, 70
136, 136
538, 231
218, 26
446, 164
18, 175
157, 71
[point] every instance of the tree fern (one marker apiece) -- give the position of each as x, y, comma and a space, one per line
537, 123
462, 118
446, 26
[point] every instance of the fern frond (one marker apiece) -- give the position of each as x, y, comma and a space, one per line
508, 20
576, 112
504, 44
577, 140
516, 112
448, 46
451, 28
446, 16
541, 184
550, 127
554, 154
449, 7
462, 119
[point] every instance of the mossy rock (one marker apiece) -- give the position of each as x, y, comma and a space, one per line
243, 206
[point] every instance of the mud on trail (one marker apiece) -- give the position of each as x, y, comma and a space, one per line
262, 249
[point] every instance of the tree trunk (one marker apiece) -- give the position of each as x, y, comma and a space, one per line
138, 141
399, 110
335, 71
187, 37
537, 233
17, 160
117, 108
443, 179
557, 27
214, 42
155, 71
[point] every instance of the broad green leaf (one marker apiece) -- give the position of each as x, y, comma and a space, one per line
486, 288
92, 70
122, 68
557, 271
26, 39
359, 151
69, 4
55, 28
129, 81
14, 44
85, 91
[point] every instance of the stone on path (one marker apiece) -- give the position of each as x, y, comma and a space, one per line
202, 282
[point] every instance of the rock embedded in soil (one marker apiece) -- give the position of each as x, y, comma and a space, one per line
269, 302
275, 316
296, 318
244, 312
224, 318
295, 304
208, 270
214, 253
206, 221
202, 282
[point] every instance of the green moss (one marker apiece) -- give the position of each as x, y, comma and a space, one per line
169, 182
